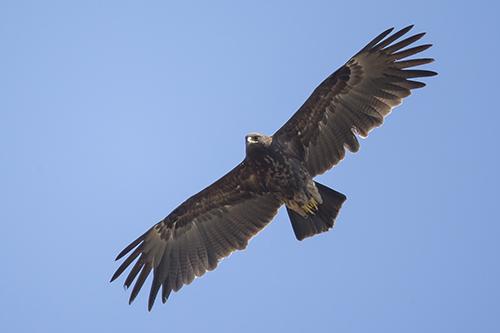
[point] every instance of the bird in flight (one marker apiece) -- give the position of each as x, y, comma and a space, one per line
279, 170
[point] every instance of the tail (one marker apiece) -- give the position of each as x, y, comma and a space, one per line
323, 219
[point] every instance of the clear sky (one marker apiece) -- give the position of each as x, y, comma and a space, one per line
114, 112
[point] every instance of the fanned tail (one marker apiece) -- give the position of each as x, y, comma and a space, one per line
321, 219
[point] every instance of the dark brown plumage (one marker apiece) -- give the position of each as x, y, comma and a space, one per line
279, 170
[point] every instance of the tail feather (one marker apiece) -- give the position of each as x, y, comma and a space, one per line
323, 219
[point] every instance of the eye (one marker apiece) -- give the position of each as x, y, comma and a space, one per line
253, 139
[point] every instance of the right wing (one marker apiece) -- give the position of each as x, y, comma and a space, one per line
196, 235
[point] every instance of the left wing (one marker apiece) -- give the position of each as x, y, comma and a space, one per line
353, 100
196, 235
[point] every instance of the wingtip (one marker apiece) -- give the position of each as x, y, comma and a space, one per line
120, 255
131, 246
165, 294
419, 35
406, 29
387, 32
416, 84
114, 277
425, 47
128, 283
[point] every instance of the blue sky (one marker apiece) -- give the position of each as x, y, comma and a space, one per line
112, 113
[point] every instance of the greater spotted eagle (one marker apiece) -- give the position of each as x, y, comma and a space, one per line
279, 169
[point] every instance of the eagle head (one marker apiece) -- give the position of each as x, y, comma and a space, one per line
256, 141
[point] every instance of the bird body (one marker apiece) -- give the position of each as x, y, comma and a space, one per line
279, 170
281, 174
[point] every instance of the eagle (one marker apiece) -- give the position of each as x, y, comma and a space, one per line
279, 170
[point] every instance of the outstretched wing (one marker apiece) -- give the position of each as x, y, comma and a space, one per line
197, 234
353, 100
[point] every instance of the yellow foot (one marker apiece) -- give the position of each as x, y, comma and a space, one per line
311, 207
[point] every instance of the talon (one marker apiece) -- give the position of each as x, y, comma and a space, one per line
311, 207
